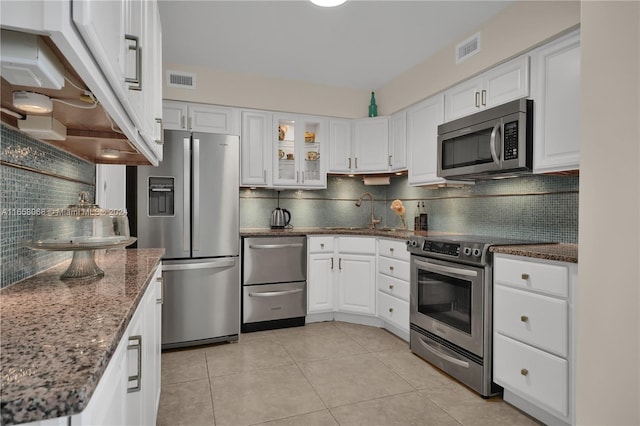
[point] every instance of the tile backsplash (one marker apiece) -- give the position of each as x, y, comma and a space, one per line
536, 207
34, 176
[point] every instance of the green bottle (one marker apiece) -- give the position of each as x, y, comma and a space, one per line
373, 108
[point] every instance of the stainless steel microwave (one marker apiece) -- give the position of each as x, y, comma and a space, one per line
492, 142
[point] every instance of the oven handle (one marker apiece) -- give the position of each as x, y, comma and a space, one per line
275, 293
447, 269
446, 357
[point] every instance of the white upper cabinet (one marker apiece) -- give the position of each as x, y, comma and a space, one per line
124, 37
398, 141
255, 148
422, 140
555, 89
299, 145
370, 145
501, 84
340, 145
201, 118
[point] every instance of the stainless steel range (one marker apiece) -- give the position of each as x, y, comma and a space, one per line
451, 306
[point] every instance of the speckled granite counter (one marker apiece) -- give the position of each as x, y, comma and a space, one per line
399, 234
58, 337
559, 252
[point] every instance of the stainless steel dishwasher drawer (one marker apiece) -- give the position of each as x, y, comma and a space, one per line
267, 302
274, 260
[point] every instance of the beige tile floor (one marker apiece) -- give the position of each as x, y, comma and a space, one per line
329, 373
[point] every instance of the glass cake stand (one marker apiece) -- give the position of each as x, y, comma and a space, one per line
81, 228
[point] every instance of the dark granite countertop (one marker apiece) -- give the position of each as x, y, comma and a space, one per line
398, 234
58, 336
558, 252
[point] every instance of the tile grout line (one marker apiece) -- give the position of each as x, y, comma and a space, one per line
213, 408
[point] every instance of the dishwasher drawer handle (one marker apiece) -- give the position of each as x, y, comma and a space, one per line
274, 246
194, 266
275, 293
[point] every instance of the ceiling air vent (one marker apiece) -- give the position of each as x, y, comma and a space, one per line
467, 48
182, 80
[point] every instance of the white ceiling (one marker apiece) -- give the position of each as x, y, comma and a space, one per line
361, 44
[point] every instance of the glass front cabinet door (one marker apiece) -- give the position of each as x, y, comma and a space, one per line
299, 141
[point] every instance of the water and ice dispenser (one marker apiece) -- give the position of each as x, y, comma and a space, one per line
161, 196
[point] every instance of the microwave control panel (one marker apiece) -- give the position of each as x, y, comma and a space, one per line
511, 140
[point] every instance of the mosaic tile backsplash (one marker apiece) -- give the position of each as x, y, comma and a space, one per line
536, 207
34, 175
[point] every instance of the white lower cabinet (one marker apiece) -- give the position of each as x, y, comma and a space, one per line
533, 336
393, 286
129, 391
359, 279
341, 275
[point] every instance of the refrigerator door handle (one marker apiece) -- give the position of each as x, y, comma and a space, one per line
194, 266
186, 178
196, 194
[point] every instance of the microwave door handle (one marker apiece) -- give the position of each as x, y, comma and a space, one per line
496, 137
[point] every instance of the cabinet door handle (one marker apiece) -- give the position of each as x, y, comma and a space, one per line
524, 318
161, 300
390, 161
524, 372
182, 120
477, 99
356, 162
332, 263
525, 276
190, 123
340, 264
264, 175
137, 346
349, 162
135, 83
302, 174
161, 140
484, 98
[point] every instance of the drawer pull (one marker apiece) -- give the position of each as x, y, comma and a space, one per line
524, 318
391, 249
321, 245
390, 309
524, 372
391, 268
525, 276
390, 286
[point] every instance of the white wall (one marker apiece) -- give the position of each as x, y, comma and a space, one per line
608, 344
517, 28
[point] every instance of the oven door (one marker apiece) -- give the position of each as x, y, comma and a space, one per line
447, 300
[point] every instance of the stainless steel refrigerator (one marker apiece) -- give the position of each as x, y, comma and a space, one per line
189, 206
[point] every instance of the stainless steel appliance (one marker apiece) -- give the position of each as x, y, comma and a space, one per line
451, 306
491, 142
274, 288
280, 218
189, 205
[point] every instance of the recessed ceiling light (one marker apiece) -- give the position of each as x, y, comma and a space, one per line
34, 103
328, 3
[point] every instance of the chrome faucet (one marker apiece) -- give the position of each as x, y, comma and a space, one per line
374, 221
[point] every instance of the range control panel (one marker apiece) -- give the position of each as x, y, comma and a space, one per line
462, 251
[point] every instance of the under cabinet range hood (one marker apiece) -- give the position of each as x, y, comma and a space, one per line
79, 54
25, 60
